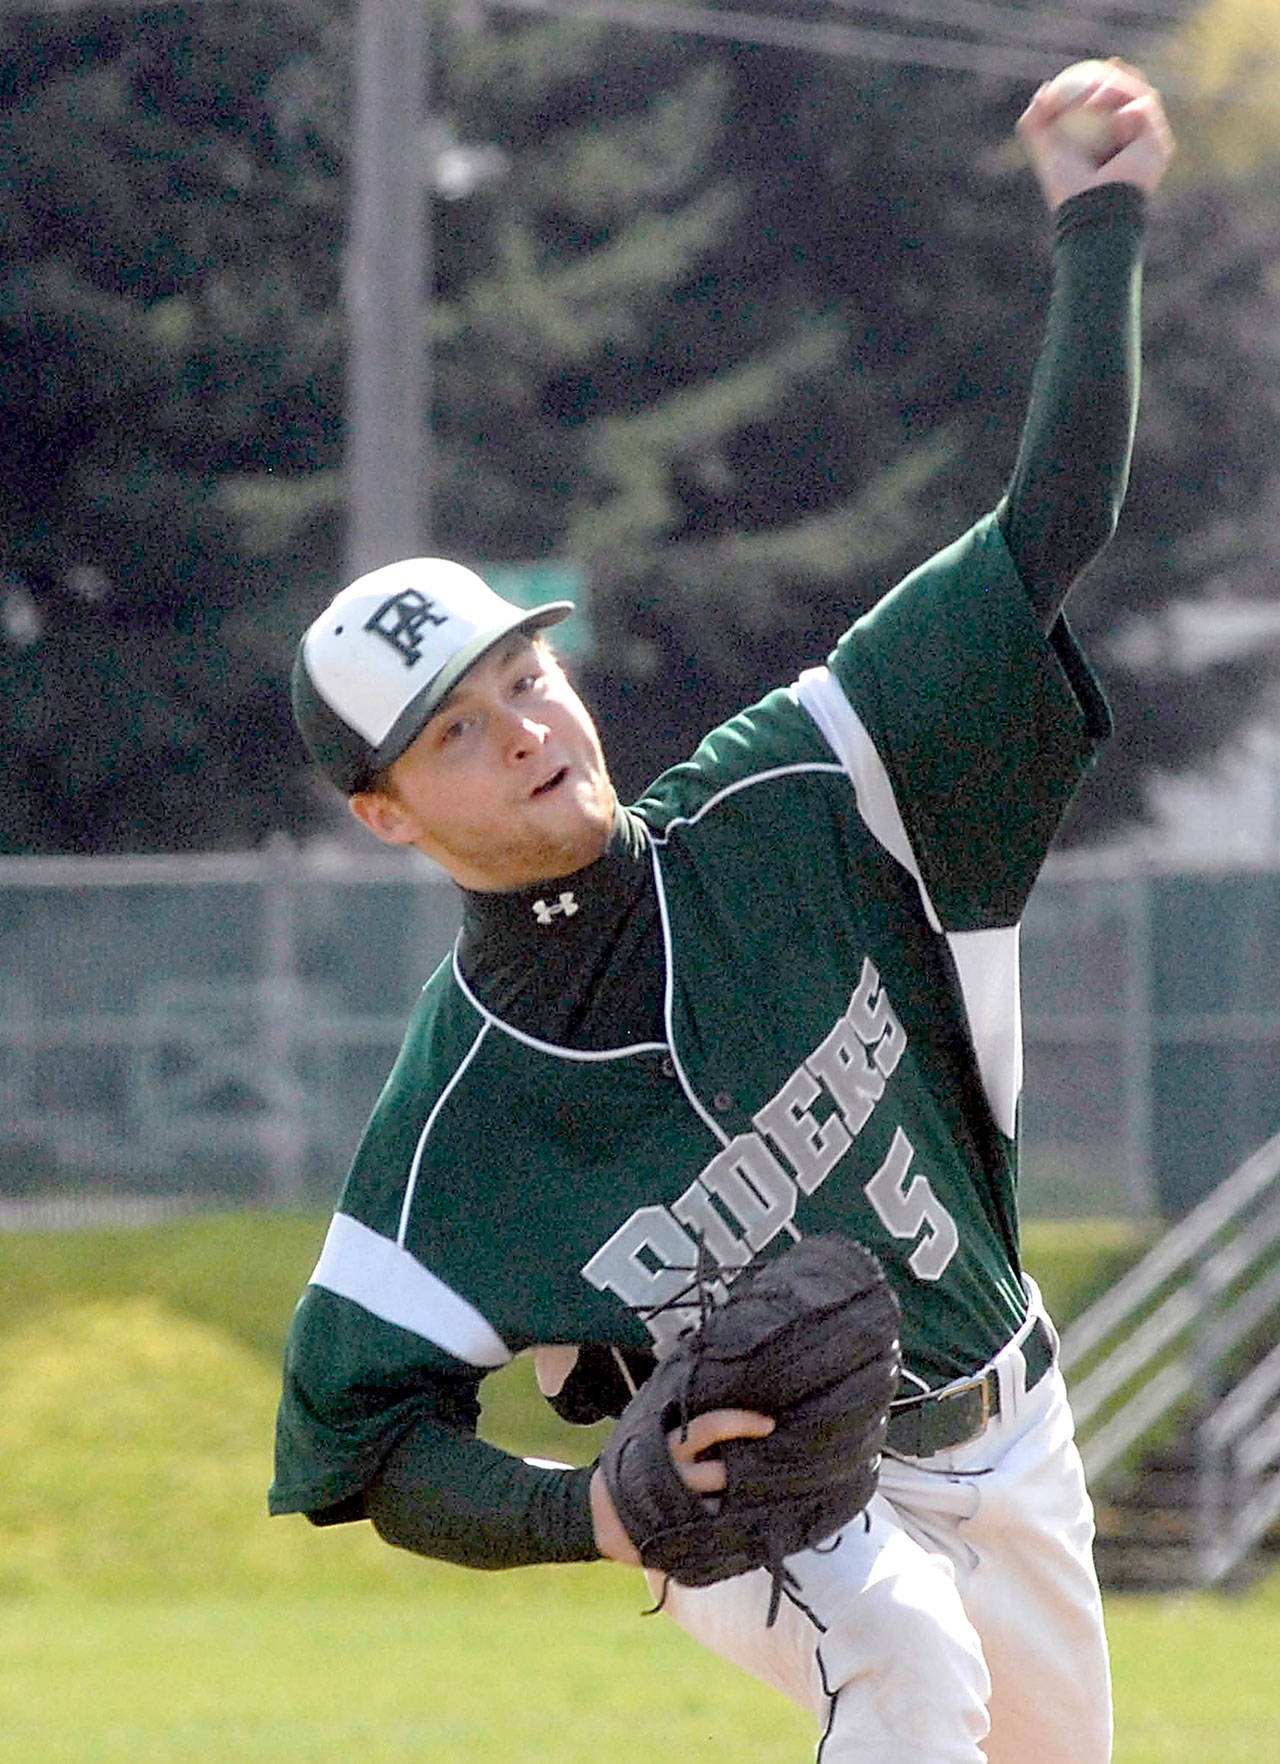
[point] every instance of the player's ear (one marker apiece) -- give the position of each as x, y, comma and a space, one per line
385, 817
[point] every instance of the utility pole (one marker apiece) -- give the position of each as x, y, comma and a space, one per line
386, 288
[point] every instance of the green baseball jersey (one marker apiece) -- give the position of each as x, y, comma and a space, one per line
840, 872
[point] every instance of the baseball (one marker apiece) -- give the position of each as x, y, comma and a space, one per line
1093, 131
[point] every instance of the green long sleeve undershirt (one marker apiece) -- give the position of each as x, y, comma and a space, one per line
444, 1493
1072, 470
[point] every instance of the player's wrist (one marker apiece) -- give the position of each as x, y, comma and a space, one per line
1104, 206
611, 1540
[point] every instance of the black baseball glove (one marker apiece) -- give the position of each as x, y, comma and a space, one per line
810, 1338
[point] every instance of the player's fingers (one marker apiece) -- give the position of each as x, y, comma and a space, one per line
1145, 116
1117, 84
713, 1428
1145, 144
1134, 79
706, 1476
1038, 112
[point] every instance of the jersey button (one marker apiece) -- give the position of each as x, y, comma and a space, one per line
721, 1102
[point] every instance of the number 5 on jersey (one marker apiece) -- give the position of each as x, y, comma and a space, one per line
907, 1205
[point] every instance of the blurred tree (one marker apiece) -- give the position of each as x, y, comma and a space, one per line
743, 332
698, 346
1226, 57
921, 228
168, 353
1200, 524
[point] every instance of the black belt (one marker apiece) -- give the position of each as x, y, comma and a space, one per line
920, 1426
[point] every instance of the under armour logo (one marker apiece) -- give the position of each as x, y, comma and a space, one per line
545, 911
400, 620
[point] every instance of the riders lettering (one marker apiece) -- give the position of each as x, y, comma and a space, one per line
747, 1194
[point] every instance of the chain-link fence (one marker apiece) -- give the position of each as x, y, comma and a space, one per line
1152, 1017
214, 1029
206, 1027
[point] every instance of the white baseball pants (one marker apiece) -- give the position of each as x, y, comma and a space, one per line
959, 1621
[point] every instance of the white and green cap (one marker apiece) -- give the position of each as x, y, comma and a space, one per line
378, 662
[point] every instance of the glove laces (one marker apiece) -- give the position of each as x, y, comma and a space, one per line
704, 1273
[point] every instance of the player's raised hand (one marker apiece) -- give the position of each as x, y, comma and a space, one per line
1097, 122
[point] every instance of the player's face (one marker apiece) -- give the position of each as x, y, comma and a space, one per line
506, 785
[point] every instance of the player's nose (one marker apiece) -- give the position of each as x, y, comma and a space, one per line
524, 736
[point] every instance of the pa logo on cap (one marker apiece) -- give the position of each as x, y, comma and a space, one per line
401, 619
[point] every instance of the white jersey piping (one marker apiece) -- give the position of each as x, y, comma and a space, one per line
584, 1055
410, 1188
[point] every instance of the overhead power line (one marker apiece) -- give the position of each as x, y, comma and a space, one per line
1065, 26
851, 42
959, 36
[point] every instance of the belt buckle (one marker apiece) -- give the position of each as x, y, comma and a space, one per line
982, 1384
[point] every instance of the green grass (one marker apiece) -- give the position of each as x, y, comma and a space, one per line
1076, 1260
1195, 1677
150, 1610
541, 1665
239, 1272
545, 1666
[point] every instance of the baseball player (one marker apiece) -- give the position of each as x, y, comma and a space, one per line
776, 997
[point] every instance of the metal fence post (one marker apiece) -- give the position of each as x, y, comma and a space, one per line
1205, 1353
1137, 1045
284, 1132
